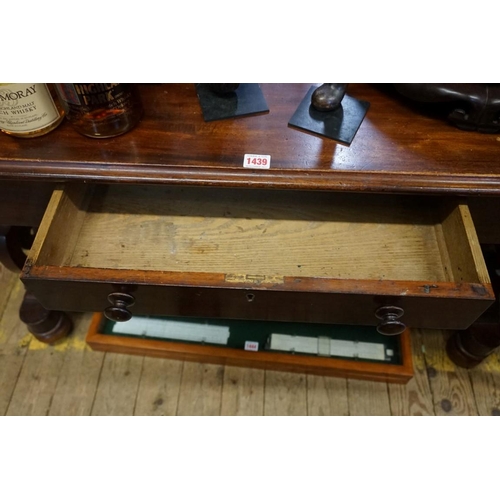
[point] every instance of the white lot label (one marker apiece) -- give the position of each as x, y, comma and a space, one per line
257, 161
251, 346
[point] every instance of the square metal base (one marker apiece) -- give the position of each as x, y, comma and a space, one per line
340, 125
247, 99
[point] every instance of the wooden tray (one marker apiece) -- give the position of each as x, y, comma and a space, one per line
271, 360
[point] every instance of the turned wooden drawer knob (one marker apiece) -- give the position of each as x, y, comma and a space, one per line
390, 324
118, 311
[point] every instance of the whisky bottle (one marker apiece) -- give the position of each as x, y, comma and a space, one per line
101, 109
29, 109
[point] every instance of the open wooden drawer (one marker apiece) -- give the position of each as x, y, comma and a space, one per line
276, 255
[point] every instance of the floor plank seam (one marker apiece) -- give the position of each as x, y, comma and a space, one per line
307, 395
348, 399
427, 380
138, 386
97, 384
222, 393
264, 394
222, 389
474, 401
9, 292
471, 381
179, 391
389, 399
425, 372
58, 378
17, 379
427, 367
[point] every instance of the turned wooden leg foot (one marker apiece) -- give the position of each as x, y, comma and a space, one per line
470, 347
46, 326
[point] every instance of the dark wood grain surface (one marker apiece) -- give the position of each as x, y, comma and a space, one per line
23, 203
400, 147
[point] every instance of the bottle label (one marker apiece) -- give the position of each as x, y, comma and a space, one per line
86, 97
26, 107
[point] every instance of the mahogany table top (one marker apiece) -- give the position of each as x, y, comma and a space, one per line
399, 147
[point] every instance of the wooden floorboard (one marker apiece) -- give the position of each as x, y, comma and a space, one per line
159, 387
118, 385
14, 340
285, 394
68, 378
243, 392
485, 380
7, 282
450, 385
201, 389
81, 369
415, 397
368, 398
327, 396
37, 381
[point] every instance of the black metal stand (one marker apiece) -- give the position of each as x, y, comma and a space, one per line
247, 99
340, 125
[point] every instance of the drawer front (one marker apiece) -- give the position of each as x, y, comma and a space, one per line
432, 308
316, 257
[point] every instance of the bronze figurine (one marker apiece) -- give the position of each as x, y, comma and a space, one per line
473, 106
328, 96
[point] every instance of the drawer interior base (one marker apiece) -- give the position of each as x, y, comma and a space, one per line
262, 232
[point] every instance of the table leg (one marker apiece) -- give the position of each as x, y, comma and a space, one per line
470, 347
46, 326
11, 253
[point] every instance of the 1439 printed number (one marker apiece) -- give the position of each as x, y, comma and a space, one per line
257, 161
